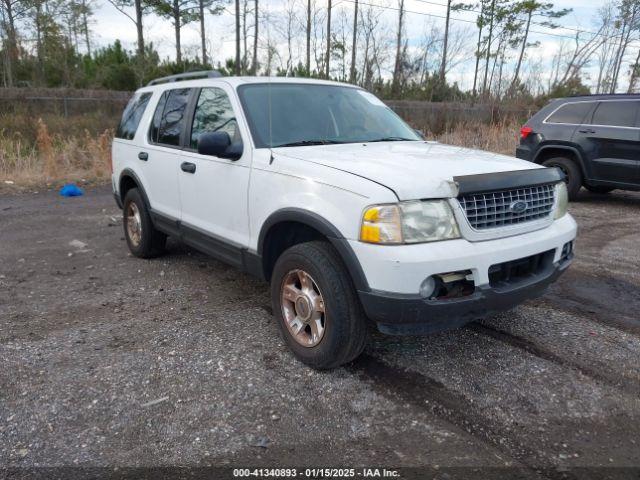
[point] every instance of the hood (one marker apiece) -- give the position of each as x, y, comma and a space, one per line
413, 170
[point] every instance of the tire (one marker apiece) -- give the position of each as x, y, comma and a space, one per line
571, 171
144, 241
601, 190
345, 327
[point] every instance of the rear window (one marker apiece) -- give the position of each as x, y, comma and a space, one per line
617, 114
132, 116
169, 117
571, 113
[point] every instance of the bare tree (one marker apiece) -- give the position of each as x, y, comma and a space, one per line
308, 60
139, 10
352, 76
254, 62
443, 65
328, 55
238, 66
628, 19
397, 69
489, 40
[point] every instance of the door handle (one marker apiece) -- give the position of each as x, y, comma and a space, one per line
188, 167
587, 130
144, 156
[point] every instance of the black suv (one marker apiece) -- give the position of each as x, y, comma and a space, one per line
594, 139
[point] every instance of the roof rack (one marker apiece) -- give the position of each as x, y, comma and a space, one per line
606, 95
185, 76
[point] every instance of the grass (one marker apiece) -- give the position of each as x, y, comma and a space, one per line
498, 138
35, 157
53, 150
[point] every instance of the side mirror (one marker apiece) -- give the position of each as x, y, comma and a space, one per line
218, 144
420, 134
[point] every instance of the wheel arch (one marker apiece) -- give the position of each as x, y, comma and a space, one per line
290, 226
128, 180
549, 151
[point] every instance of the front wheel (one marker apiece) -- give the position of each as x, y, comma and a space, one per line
316, 306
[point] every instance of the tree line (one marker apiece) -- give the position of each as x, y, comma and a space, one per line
51, 43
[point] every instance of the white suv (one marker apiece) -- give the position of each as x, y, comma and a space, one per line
320, 189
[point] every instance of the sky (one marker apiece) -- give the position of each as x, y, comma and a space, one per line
110, 25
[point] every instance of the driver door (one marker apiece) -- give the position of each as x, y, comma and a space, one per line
213, 191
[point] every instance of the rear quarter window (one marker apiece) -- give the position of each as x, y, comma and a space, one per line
132, 116
574, 113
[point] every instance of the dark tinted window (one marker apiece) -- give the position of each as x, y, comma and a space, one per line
619, 114
173, 117
157, 117
213, 114
571, 113
132, 116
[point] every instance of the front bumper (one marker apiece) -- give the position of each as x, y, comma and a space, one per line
412, 315
394, 275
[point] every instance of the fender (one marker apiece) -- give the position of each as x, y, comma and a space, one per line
127, 172
168, 225
327, 229
569, 148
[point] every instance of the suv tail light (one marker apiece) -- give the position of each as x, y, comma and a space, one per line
525, 131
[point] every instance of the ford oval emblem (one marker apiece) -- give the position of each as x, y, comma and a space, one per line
518, 206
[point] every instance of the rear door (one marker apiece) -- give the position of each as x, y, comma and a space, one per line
161, 156
610, 141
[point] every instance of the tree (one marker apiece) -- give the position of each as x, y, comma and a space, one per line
254, 61
12, 12
397, 69
492, 11
629, 24
308, 59
180, 13
139, 9
352, 75
443, 66
238, 67
327, 60
529, 8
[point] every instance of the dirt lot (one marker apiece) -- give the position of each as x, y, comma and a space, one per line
108, 360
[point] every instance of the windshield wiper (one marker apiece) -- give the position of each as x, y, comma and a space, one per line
391, 139
304, 143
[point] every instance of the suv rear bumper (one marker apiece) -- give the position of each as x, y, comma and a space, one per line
524, 152
413, 315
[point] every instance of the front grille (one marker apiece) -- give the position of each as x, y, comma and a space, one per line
496, 209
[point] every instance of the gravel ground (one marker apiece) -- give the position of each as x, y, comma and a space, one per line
112, 361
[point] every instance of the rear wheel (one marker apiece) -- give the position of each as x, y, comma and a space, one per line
143, 239
572, 173
594, 189
316, 306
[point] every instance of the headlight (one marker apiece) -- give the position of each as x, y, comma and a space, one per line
409, 222
562, 200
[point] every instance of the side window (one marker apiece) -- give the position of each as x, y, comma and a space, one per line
157, 117
132, 116
617, 114
213, 114
571, 113
172, 121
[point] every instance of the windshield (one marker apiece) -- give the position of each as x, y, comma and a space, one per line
308, 114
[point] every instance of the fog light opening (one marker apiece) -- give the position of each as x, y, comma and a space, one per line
453, 285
